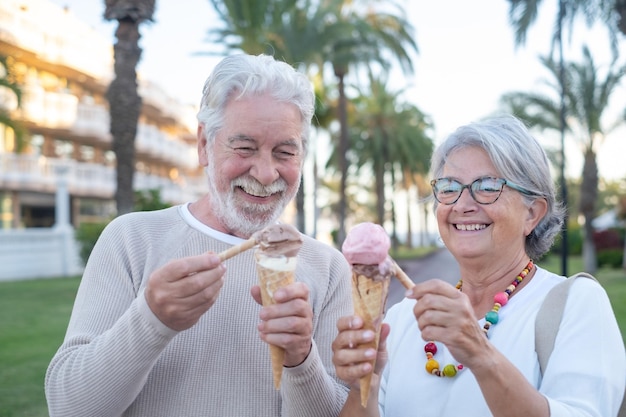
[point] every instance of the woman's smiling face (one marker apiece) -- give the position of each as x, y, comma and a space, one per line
470, 229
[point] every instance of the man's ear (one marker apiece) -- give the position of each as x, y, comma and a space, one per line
202, 146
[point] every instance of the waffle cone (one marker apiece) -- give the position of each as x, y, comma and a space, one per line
270, 280
237, 249
369, 297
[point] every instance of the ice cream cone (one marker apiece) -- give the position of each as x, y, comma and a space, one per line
369, 297
274, 273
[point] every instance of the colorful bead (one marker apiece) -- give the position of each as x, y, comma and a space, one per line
449, 370
501, 298
430, 347
491, 318
432, 366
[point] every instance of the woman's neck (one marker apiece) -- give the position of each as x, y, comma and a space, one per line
481, 284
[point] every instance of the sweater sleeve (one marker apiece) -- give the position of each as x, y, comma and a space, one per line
113, 338
312, 388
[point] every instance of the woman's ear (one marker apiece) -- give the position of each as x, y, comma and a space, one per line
536, 211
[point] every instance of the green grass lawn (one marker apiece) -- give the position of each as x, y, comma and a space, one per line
34, 316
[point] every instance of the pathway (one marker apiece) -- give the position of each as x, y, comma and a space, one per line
439, 264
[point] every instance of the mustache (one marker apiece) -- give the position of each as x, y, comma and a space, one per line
253, 187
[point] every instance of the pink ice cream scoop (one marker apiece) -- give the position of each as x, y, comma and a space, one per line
366, 244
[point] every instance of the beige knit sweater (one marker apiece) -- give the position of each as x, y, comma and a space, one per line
118, 359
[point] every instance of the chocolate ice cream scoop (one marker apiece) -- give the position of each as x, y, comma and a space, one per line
279, 240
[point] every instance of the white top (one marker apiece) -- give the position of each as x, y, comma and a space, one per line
585, 376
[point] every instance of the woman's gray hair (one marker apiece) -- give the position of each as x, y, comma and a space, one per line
239, 76
518, 157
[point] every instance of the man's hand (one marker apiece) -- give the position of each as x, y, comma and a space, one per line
180, 292
289, 322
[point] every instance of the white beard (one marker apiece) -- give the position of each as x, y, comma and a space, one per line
242, 217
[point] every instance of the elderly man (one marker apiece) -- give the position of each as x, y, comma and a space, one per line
161, 327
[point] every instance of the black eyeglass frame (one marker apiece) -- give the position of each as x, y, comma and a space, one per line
501, 181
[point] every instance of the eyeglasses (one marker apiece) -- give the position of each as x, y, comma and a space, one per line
484, 190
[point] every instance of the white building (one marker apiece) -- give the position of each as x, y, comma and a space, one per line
64, 68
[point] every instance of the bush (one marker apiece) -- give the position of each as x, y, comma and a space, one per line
611, 258
148, 200
86, 235
608, 239
574, 241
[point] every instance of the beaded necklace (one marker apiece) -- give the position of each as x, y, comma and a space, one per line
491, 319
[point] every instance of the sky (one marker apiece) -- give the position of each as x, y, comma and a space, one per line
467, 59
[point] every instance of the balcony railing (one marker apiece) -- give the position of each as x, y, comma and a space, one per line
37, 173
57, 36
85, 118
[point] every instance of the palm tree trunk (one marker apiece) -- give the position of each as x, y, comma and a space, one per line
562, 124
409, 227
300, 218
125, 106
379, 175
394, 223
343, 161
588, 198
425, 235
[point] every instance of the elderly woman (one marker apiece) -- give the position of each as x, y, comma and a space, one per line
469, 349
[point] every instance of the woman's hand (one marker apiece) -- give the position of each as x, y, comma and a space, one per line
445, 314
352, 357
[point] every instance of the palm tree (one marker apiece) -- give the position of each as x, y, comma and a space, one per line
389, 137
315, 33
423, 192
586, 99
254, 26
522, 15
124, 100
413, 156
280, 28
7, 81
355, 36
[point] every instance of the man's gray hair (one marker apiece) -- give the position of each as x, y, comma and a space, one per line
242, 75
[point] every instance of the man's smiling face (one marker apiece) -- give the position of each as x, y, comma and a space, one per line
254, 164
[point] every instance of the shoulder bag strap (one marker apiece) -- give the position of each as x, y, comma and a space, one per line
549, 318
